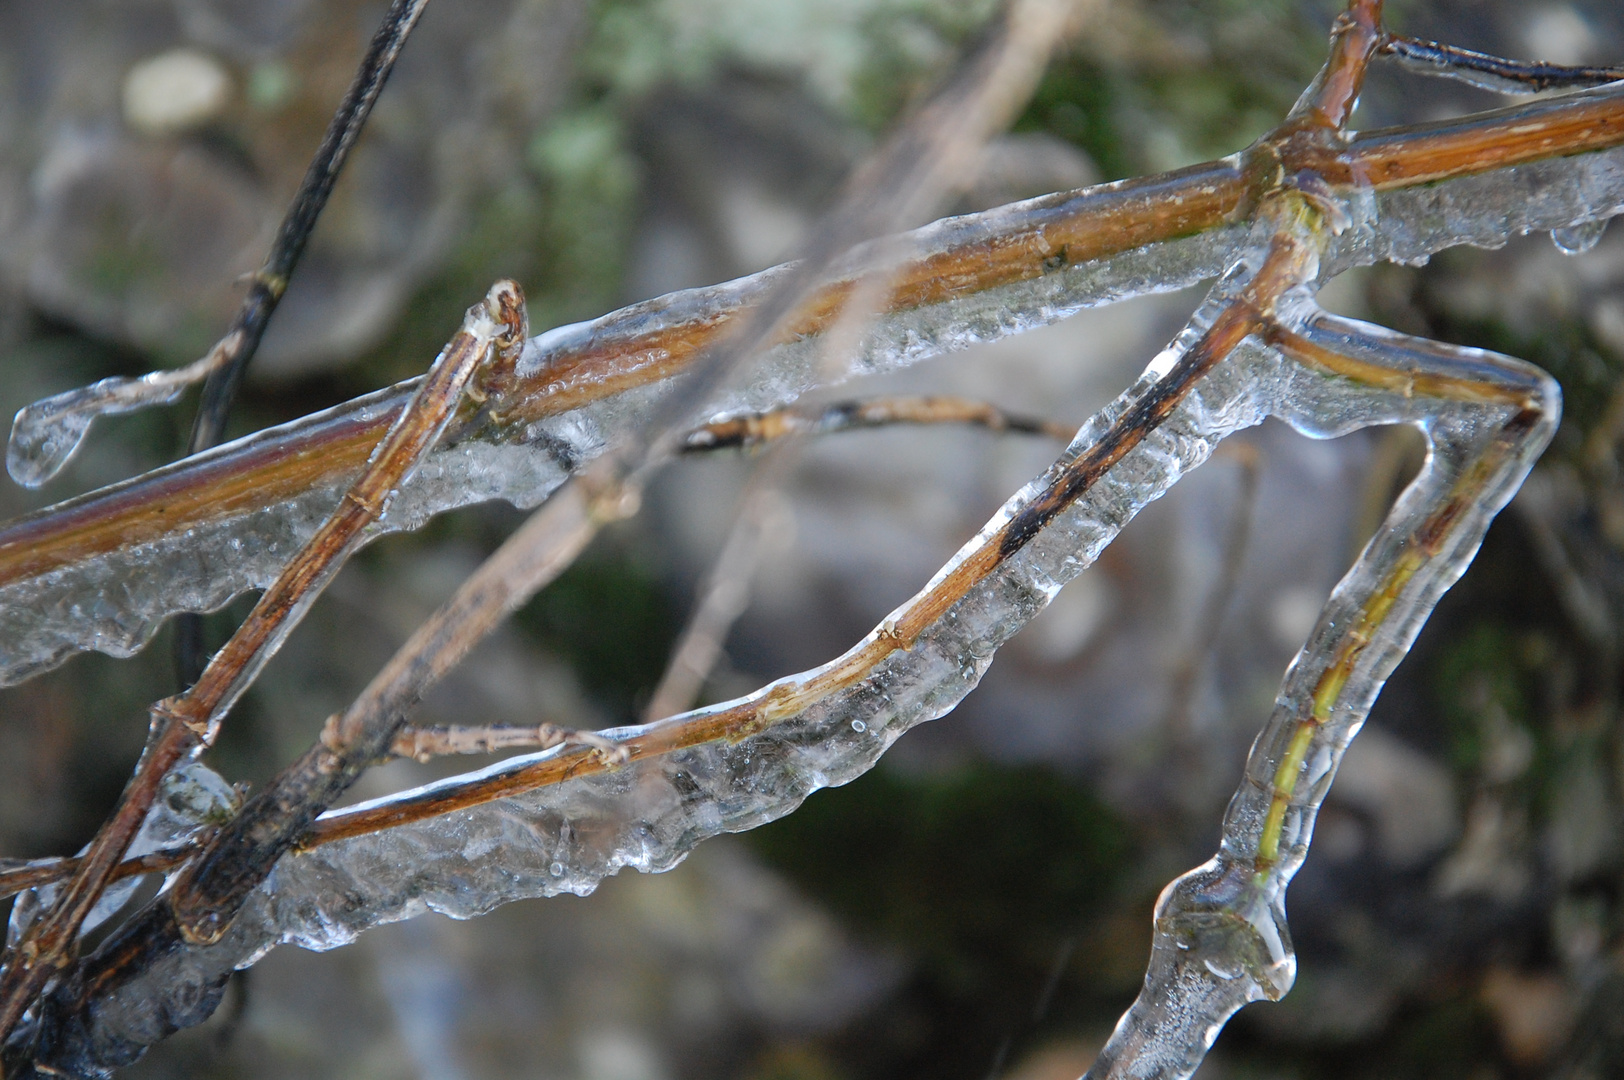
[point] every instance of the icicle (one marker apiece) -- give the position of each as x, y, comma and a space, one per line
46, 434
1578, 239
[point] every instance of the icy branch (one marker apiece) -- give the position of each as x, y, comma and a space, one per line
94, 573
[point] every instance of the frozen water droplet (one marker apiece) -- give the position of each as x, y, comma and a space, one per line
1578, 239
557, 869
46, 434
43, 441
858, 726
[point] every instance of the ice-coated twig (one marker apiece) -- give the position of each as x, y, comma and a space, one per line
1221, 937
917, 166
758, 429
1491, 72
559, 821
46, 435
1257, 347
102, 571
730, 767
427, 743
192, 798
913, 166
724, 592
20, 875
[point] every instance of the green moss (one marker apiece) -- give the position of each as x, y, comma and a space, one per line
1452, 1038
563, 231
1478, 672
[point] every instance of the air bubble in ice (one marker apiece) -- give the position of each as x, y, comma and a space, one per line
858, 726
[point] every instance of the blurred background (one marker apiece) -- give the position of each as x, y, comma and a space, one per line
978, 906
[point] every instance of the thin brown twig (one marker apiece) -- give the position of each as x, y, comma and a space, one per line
31, 874
427, 743
1066, 482
757, 429
624, 354
724, 592
1209, 622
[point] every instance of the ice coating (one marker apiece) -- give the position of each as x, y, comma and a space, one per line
649, 814
1221, 938
100, 602
46, 434
193, 796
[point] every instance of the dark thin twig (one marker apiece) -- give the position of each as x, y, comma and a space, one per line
271, 281
265, 289
1492, 72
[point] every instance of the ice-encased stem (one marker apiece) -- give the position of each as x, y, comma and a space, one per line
1221, 938
124, 571
1229, 913
100, 573
566, 836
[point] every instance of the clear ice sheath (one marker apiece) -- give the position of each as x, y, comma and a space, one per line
1221, 938
650, 813
114, 600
